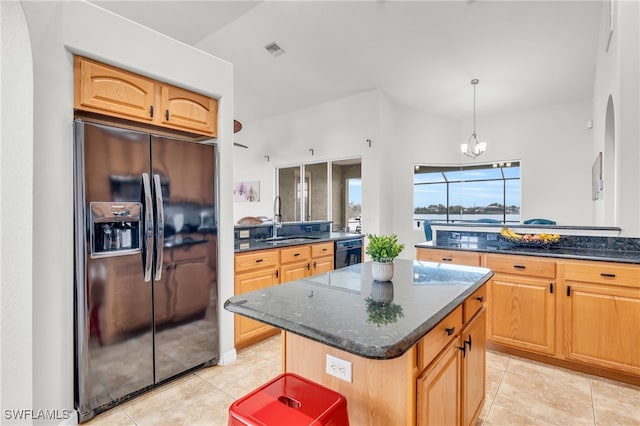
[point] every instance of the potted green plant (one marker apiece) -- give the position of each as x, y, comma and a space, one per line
383, 249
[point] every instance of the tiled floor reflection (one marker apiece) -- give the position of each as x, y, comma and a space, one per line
518, 392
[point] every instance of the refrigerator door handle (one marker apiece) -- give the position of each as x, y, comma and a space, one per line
147, 252
160, 227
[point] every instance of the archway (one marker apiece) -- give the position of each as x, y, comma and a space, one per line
610, 186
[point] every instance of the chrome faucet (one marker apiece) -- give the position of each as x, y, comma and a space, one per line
277, 215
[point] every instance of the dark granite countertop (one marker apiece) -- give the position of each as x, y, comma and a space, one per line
622, 256
347, 310
292, 240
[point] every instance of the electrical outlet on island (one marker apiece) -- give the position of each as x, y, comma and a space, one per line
339, 368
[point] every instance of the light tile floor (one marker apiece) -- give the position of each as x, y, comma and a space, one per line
518, 392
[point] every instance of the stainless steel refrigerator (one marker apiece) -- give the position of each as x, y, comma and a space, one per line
146, 262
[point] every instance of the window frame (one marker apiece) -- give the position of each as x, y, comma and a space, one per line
447, 169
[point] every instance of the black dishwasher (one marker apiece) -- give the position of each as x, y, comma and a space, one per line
347, 252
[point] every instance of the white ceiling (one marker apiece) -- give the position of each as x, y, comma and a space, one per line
422, 54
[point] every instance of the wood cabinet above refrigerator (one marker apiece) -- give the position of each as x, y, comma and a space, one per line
107, 90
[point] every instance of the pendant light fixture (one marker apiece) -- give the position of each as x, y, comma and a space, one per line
473, 148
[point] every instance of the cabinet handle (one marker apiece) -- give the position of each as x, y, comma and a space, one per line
463, 348
551, 288
519, 266
296, 255
480, 299
447, 259
259, 260
450, 330
308, 266
277, 274
151, 111
324, 249
166, 114
568, 290
468, 342
315, 265
607, 275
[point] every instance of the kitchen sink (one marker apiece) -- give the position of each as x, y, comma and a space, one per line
288, 240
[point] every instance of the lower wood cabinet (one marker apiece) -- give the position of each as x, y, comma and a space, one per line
259, 269
438, 382
522, 302
254, 271
579, 314
450, 390
439, 388
295, 263
473, 368
458, 257
602, 315
321, 258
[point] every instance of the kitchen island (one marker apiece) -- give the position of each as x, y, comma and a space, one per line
408, 351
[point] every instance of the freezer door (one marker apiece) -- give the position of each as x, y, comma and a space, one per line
185, 307
114, 321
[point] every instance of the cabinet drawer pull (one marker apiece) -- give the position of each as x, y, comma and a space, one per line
315, 265
259, 260
308, 266
551, 288
166, 114
480, 299
607, 275
151, 111
296, 255
277, 274
447, 259
519, 266
450, 330
568, 290
325, 249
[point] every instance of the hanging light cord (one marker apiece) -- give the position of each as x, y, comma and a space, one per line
475, 82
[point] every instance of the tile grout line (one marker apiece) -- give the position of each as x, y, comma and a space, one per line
497, 390
593, 401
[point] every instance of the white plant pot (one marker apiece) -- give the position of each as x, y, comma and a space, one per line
382, 271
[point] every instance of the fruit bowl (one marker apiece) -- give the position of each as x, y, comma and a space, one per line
529, 240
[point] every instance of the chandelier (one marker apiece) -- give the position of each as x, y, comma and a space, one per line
473, 148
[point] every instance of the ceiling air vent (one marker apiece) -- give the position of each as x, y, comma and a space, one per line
274, 49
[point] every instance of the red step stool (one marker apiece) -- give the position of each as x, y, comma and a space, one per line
290, 400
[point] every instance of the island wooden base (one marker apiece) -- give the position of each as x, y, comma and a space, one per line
382, 392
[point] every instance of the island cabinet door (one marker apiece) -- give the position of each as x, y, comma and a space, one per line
438, 389
473, 367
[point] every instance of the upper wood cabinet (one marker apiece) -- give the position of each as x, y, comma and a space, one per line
103, 89
182, 110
